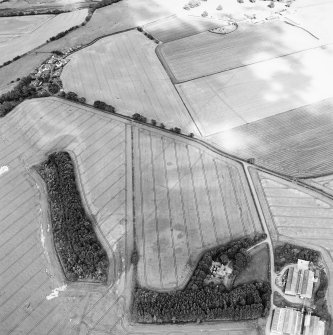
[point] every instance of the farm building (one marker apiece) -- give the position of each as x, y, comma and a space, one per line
289, 321
313, 325
300, 280
286, 321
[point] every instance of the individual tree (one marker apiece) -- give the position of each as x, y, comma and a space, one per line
72, 96
53, 88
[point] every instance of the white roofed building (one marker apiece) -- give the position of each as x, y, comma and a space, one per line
300, 280
289, 321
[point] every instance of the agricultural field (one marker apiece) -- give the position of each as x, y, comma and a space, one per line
20, 68
125, 14
208, 53
295, 143
22, 24
38, 5
218, 207
27, 42
120, 16
297, 215
324, 183
123, 70
176, 27
186, 200
244, 95
35, 298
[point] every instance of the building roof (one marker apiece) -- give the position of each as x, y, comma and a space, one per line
302, 264
278, 320
292, 281
288, 321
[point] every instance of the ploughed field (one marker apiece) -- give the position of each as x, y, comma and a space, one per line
176, 27
296, 143
31, 40
123, 70
208, 53
297, 215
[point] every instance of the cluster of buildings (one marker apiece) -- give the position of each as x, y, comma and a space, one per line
51, 69
219, 273
300, 280
289, 321
219, 270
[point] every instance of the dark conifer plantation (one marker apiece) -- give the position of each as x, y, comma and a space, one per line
81, 254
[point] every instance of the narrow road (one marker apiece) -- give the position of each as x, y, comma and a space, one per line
268, 239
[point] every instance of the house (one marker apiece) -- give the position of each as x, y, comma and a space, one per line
220, 270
